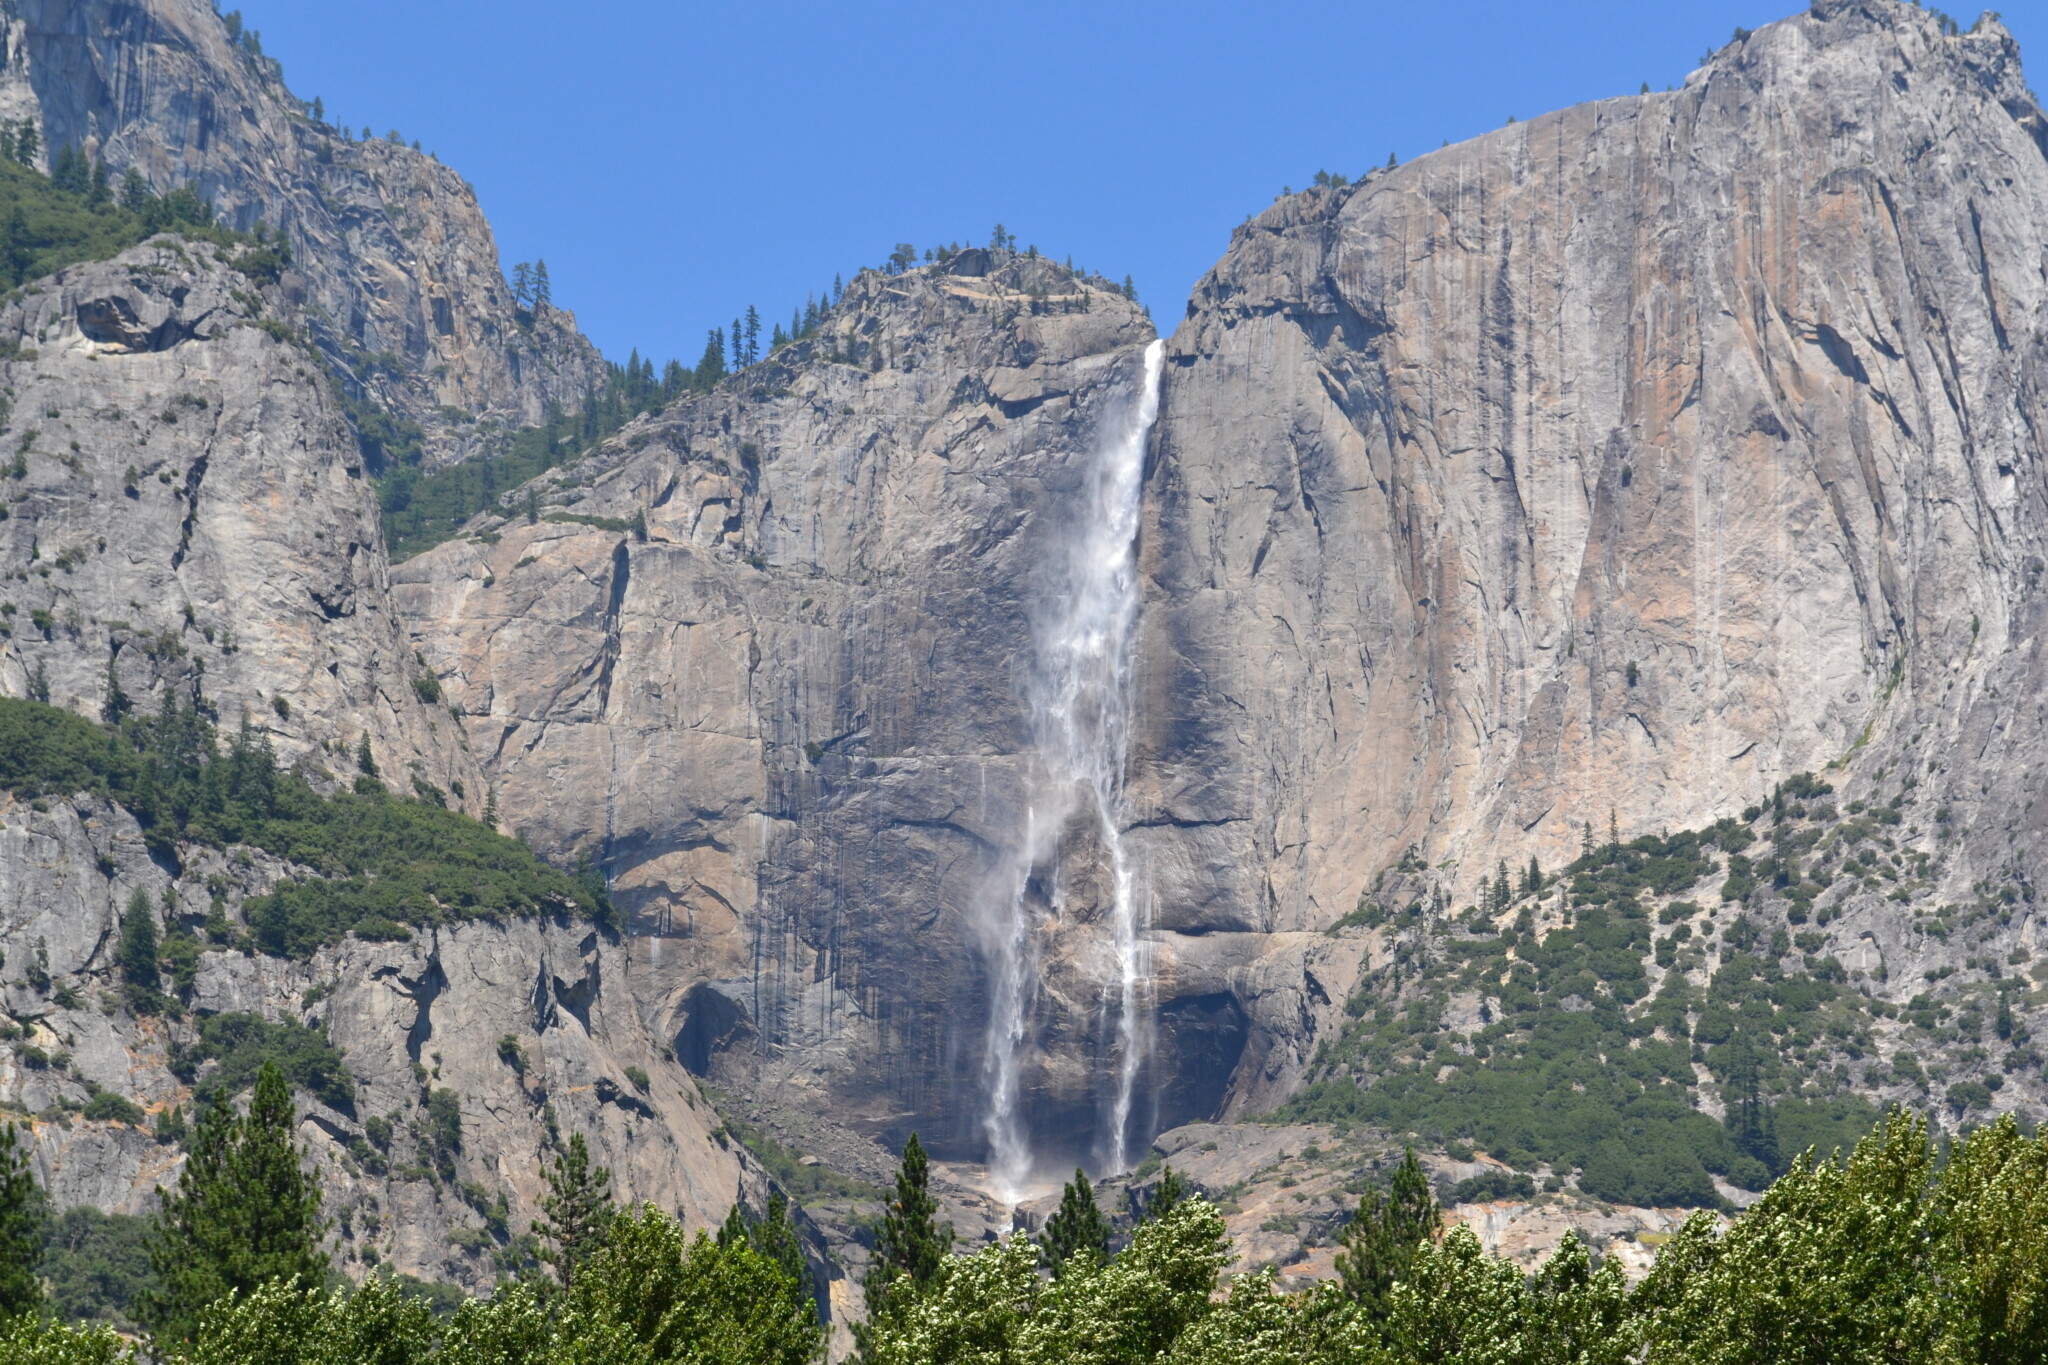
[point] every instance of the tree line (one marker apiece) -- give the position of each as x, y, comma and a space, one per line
1897, 1251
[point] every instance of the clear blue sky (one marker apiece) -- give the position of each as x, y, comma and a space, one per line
674, 162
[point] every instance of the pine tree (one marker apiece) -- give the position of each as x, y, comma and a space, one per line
366, 762
1613, 830
113, 701
775, 1237
70, 171
543, 292
245, 1212
1533, 880
911, 1242
711, 365
577, 1210
1076, 1228
1586, 840
753, 334
1381, 1242
135, 953
491, 808
737, 345
24, 1221
1168, 1194
2004, 1023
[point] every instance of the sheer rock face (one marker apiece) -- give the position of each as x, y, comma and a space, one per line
396, 259
1628, 459
188, 508
788, 720
530, 1024
1633, 458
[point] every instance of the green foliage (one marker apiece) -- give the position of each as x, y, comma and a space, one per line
1386, 1234
105, 1105
45, 225
1869, 1258
993, 1306
244, 1044
135, 953
804, 1182
773, 1235
33, 1340
24, 1219
651, 1294
1168, 1194
421, 508
385, 862
1076, 1229
1887, 1255
1580, 1066
244, 1213
910, 1246
302, 1324
577, 1212
1493, 1185
97, 1265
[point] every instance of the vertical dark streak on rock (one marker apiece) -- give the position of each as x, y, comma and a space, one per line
193, 478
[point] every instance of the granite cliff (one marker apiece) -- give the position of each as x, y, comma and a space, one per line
398, 279
1577, 486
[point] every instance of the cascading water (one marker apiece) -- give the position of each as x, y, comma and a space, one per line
1077, 696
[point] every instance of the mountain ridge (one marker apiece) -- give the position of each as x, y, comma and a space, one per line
1639, 468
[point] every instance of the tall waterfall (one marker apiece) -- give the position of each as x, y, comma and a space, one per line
1078, 699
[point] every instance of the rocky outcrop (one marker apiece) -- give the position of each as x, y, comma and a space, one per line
529, 1025
187, 510
786, 717
1615, 465
398, 272
1629, 459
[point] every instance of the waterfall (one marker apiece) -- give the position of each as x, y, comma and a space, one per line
1077, 697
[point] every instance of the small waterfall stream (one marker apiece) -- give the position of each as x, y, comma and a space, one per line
1078, 700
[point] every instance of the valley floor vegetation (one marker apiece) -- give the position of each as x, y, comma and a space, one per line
1896, 1252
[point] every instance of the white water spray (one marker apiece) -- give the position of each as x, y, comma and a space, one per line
1078, 700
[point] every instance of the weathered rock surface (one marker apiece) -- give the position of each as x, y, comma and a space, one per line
1286, 1191
187, 508
398, 271
1631, 458
531, 1025
787, 719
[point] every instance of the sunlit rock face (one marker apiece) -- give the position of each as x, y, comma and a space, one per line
1627, 460
397, 269
1613, 466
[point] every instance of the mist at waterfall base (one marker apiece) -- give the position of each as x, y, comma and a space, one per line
1076, 693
